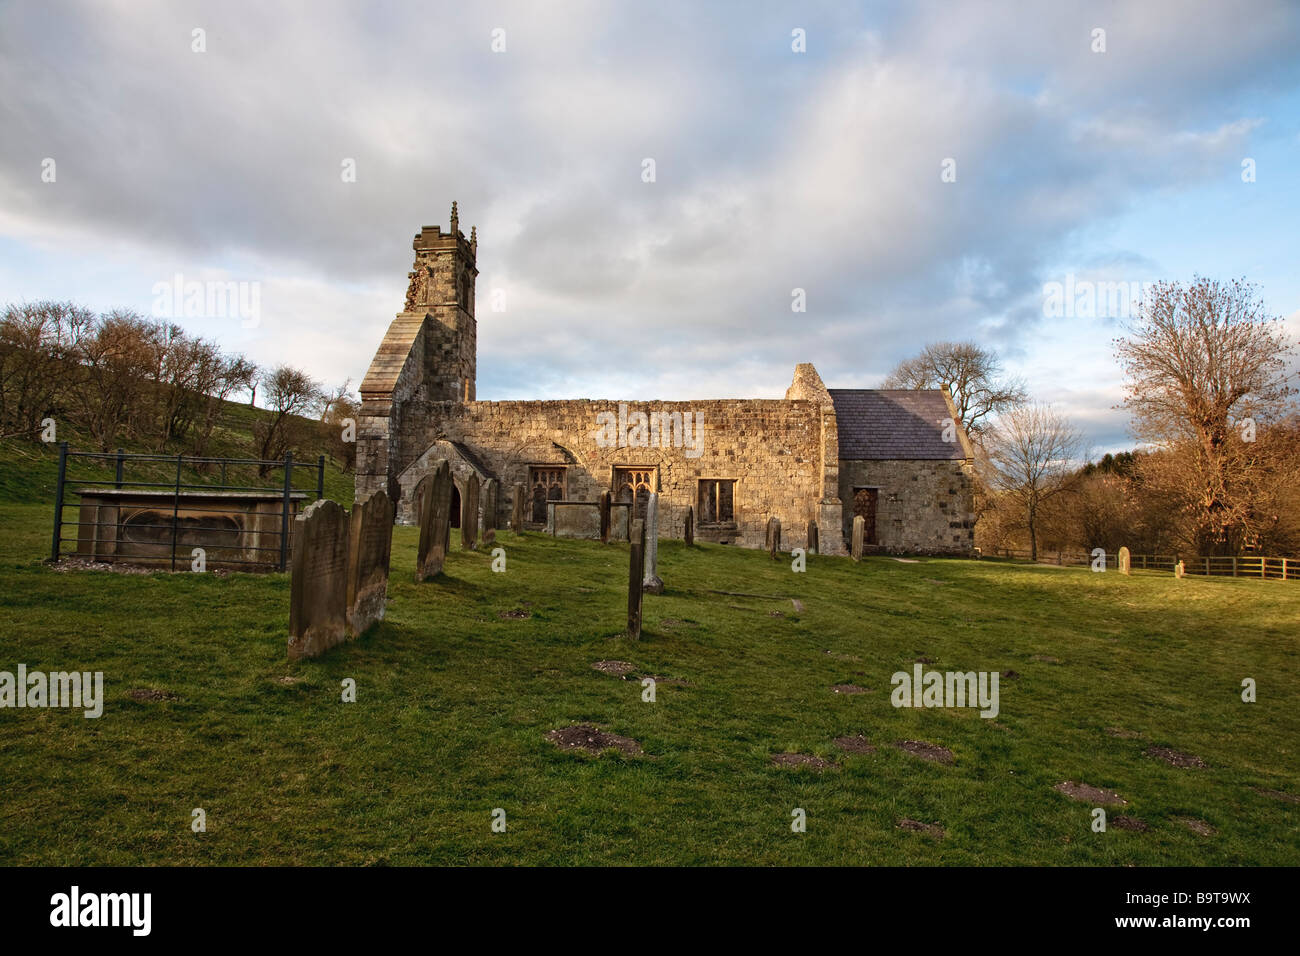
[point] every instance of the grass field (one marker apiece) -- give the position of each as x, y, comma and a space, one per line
454, 700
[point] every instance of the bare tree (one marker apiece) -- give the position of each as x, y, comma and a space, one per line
1033, 455
1199, 360
38, 342
291, 394
972, 375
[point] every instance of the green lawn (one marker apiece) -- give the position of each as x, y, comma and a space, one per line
454, 701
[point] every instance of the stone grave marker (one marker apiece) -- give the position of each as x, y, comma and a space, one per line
490, 512
859, 532
434, 511
1125, 561
370, 545
469, 513
517, 515
1179, 570
635, 573
318, 585
605, 517
651, 581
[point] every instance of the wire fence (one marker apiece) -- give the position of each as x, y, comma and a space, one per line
158, 510
1226, 566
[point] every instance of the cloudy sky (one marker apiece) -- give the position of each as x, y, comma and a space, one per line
775, 169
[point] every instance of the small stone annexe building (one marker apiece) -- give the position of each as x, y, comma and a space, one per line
898, 458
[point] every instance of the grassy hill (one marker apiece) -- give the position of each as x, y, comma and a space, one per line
459, 686
29, 470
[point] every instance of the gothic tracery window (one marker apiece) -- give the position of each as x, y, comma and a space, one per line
633, 486
548, 484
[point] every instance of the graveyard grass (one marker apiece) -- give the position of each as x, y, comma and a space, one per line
454, 698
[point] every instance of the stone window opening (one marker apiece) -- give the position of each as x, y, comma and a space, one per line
632, 485
548, 483
716, 501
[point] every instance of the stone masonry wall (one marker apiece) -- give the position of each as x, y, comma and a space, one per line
773, 448
923, 507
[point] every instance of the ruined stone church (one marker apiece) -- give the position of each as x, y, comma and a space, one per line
898, 458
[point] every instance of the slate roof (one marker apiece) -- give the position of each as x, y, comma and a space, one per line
876, 424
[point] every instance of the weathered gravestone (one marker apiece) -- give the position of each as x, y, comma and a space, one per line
370, 544
1179, 570
859, 532
517, 514
318, 585
635, 573
651, 581
469, 513
433, 508
690, 526
490, 511
774, 537
1125, 561
813, 543
605, 517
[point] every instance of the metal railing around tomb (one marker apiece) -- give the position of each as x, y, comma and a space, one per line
156, 510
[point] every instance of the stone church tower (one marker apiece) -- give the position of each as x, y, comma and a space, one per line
429, 352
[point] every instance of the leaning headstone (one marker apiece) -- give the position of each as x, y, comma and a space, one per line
1179, 570
434, 510
813, 543
605, 517
517, 515
318, 585
774, 537
635, 570
1125, 561
690, 525
490, 511
859, 532
370, 544
469, 513
650, 581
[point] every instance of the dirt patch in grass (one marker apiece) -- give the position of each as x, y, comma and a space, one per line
855, 745
1046, 659
924, 750
1173, 757
1199, 827
849, 689
615, 668
776, 613
592, 740
923, 660
935, 581
1010, 675
1123, 734
150, 695
916, 826
517, 614
1089, 794
1130, 823
811, 761
1277, 795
